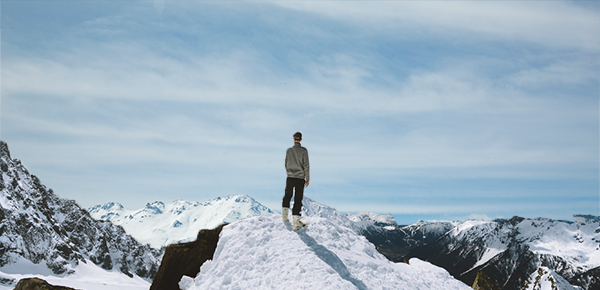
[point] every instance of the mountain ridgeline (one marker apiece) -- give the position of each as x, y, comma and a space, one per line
38, 227
41, 228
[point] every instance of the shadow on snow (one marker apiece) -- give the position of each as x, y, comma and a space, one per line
329, 257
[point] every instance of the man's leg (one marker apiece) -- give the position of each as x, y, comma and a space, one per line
298, 195
289, 191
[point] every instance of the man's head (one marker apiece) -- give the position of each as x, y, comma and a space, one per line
297, 137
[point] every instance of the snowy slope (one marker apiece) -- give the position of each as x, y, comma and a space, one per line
546, 279
265, 253
160, 224
86, 276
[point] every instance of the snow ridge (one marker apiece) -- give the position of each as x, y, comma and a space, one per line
265, 253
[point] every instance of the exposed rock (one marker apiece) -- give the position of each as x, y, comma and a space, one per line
7, 282
483, 282
544, 278
588, 280
38, 284
4, 149
185, 259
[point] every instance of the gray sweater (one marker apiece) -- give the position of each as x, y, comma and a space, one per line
296, 162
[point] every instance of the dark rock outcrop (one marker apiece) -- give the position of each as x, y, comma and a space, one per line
588, 280
185, 259
483, 282
38, 284
396, 243
4, 149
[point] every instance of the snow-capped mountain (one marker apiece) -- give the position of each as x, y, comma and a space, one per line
510, 250
265, 253
544, 278
160, 224
42, 234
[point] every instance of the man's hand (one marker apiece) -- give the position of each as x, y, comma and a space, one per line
305, 184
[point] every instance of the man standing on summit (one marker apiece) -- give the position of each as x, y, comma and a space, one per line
298, 176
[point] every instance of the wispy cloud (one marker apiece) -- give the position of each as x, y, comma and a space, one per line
560, 24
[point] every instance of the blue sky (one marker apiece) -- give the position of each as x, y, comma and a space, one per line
420, 109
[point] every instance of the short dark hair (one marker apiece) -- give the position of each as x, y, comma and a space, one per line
297, 136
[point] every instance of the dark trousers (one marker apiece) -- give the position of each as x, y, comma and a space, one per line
294, 185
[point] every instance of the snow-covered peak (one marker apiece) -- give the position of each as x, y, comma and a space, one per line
154, 208
314, 209
160, 224
464, 226
445, 222
265, 253
384, 219
546, 279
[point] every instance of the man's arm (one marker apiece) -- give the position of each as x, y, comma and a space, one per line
286, 158
306, 169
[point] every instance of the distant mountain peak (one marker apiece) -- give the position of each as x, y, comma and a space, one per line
156, 207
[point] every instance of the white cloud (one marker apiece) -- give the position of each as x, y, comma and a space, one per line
550, 23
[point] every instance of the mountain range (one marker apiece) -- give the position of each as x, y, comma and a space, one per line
160, 224
45, 236
510, 250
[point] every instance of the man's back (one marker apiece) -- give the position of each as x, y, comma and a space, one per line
296, 162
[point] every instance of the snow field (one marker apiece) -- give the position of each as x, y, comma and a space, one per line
576, 242
87, 276
265, 253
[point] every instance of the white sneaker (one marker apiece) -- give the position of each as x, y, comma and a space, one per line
284, 214
297, 223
